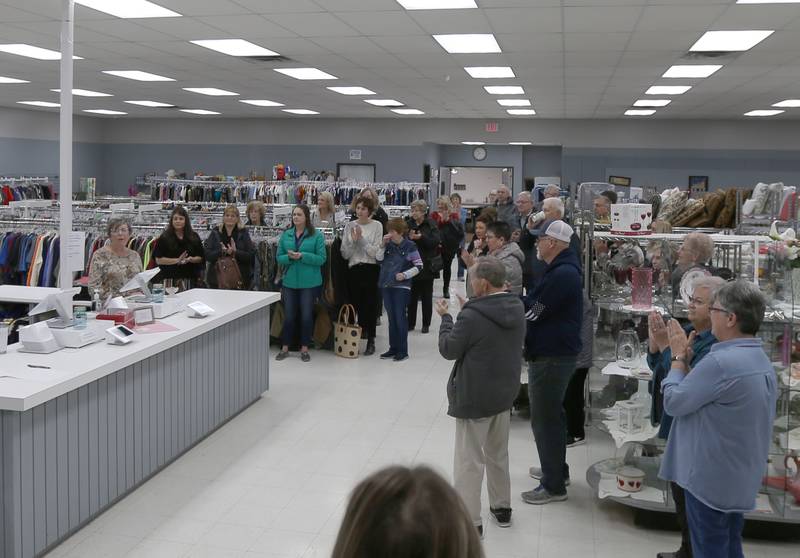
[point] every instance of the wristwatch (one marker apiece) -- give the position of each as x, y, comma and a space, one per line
678, 359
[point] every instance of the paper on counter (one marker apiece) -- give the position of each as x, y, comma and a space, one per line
155, 327
608, 487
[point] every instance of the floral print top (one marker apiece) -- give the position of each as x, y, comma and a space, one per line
109, 272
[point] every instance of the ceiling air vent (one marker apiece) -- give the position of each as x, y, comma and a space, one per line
711, 55
257, 59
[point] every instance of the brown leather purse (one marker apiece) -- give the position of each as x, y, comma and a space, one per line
228, 274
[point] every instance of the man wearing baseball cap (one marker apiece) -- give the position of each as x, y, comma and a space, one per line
554, 311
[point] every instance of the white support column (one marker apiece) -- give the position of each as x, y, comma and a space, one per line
65, 141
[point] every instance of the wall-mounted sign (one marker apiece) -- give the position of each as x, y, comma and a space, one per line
619, 180
492, 127
355, 154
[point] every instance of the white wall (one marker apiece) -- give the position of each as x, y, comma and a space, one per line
43, 125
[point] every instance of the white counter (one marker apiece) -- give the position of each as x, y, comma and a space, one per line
22, 387
25, 295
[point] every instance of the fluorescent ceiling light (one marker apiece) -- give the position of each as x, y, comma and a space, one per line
490, 72
473, 142
634, 112
764, 112
152, 104
468, 43
768, 2
514, 102
31, 51
521, 112
437, 4
300, 111
235, 47
261, 103
210, 91
137, 75
668, 90
199, 111
384, 102
39, 104
408, 111
128, 8
729, 41
788, 103
85, 93
520, 143
305, 73
352, 90
691, 71
106, 111
504, 89
652, 103
12, 80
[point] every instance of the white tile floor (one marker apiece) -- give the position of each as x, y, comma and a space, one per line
274, 481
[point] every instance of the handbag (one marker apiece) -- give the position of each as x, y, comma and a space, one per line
228, 274
347, 334
436, 263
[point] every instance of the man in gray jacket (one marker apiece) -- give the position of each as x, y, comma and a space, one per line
485, 342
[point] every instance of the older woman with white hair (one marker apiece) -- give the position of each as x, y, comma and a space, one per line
696, 251
115, 264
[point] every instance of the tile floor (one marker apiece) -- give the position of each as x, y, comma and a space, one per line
274, 481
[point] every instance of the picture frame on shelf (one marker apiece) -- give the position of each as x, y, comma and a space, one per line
698, 185
624, 181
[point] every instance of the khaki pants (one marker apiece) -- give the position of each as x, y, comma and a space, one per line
482, 444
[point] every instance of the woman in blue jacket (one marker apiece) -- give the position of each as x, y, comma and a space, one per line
301, 250
400, 261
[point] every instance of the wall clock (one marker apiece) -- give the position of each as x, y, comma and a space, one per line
479, 153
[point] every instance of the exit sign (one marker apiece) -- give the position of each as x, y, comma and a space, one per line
491, 126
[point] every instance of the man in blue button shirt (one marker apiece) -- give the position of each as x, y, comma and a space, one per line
723, 410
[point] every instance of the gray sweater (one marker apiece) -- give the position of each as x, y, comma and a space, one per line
514, 260
486, 343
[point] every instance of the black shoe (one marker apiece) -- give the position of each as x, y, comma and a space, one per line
446, 294
378, 321
680, 553
502, 516
370, 350
425, 329
388, 354
282, 355
400, 358
576, 441
411, 328
480, 531
305, 357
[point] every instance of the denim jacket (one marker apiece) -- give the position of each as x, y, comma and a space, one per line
398, 258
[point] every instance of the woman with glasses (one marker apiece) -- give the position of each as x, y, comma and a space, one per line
659, 359
114, 264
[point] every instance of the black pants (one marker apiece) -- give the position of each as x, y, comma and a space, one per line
363, 279
574, 403
421, 289
447, 270
680, 510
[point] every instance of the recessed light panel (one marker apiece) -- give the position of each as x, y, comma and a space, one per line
305, 73
46, 104
634, 112
261, 103
128, 9
352, 90
788, 103
691, 71
106, 112
300, 111
384, 102
473, 142
514, 102
210, 91
235, 47
437, 4
668, 90
85, 93
768, 1
151, 104
521, 112
764, 112
504, 89
729, 41
652, 103
490, 72
408, 112
12, 80
202, 112
468, 43
31, 51
520, 143
137, 75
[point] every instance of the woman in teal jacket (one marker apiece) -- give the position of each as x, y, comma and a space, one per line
301, 250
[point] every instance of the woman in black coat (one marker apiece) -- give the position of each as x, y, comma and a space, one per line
179, 251
425, 233
230, 239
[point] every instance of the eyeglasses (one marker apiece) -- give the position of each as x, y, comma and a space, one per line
716, 309
696, 301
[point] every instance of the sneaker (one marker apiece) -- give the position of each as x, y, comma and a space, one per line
461, 279
540, 495
370, 350
305, 357
446, 294
400, 358
388, 354
536, 473
282, 355
425, 329
502, 516
480, 531
577, 441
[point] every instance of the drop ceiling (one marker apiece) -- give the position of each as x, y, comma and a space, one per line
574, 58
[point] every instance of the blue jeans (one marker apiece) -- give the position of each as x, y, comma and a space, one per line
298, 301
714, 534
548, 378
395, 300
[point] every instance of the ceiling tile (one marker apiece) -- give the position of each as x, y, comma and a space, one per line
525, 20
381, 23
191, 8
600, 19
596, 41
252, 27
313, 24
687, 17
437, 22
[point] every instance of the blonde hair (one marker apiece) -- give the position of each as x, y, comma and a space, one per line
234, 208
328, 197
419, 204
446, 201
256, 204
374, 196
701, 244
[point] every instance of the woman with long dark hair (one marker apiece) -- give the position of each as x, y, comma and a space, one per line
179, 251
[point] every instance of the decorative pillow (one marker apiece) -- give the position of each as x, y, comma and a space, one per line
672, 205
760, 198
727, 217
692, 209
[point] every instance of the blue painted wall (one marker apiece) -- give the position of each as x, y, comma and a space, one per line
30, 156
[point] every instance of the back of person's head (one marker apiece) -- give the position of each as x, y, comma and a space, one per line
491, 269
397, 224
500, 229
406, 513
489, 215
610, 195
744, 299
701, 245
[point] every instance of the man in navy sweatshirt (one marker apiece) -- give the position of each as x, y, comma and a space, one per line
554, 311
